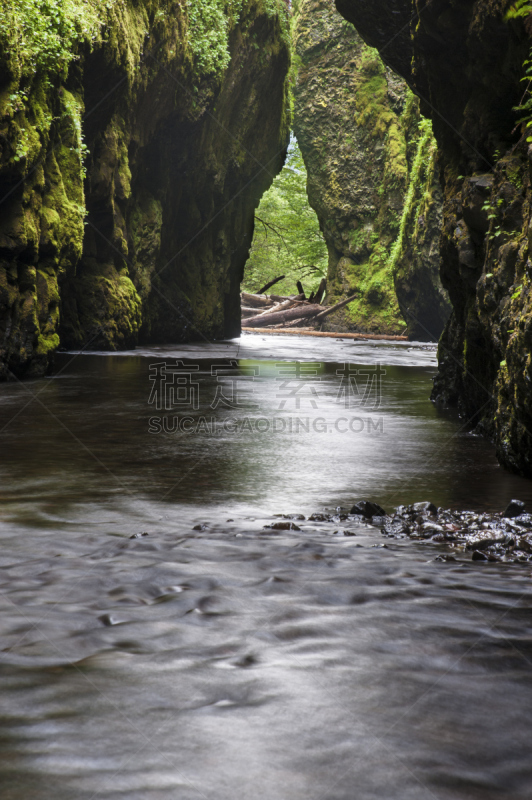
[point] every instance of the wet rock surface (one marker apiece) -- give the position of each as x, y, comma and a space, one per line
505, 536
365, 508
467, 65
372, 179
135, 150
489, 536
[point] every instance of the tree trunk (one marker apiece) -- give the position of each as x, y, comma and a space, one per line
270, 284
299, 312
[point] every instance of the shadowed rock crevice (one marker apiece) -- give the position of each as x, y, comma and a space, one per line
466, 64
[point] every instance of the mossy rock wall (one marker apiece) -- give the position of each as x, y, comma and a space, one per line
130, 172
467, 61
372, 179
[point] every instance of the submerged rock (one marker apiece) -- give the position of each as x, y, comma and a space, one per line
282, 526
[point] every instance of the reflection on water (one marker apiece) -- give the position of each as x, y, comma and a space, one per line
270, 443
231, 661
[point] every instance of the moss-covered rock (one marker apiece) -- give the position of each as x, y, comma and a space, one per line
372, 179
136, 139
467, 61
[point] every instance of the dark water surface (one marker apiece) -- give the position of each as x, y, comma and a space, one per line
235, 661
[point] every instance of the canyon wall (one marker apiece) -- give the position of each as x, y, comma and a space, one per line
136, 139
465, 62
372, 179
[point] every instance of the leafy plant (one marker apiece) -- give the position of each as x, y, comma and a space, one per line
414, 184
491, 208
210, 22
287, 240
520, 9
39, 36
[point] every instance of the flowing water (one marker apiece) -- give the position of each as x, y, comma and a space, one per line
215, 657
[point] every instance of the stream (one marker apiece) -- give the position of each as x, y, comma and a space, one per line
159, 641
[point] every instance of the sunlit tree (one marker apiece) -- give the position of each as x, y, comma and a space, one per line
287, 240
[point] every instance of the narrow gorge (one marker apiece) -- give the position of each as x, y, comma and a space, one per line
465, 63
136, 139
265, 399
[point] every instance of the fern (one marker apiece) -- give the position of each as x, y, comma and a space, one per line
522, 8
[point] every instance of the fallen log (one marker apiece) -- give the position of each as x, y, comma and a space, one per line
250, 310
288, 315
270, 284
300, 288
280, 306
297, 323
336, 307
279, 298
255, 299
328, 334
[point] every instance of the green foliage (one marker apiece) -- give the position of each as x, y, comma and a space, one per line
492, 209
522, 8
414, 185
39, 36
210, 22
287, 238
42, 37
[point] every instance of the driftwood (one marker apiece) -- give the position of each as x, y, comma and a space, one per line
281, 306
300, 289
336, 307
277, 310
270, 284
328, 334
255, 299
320, 294
279, 298
299, 312
250, 310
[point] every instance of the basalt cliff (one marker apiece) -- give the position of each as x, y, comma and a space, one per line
136, 139
373, 179
465, 63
